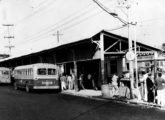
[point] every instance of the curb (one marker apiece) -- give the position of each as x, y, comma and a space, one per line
144, 104
85, 96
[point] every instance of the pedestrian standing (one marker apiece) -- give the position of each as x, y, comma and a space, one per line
63, 82
159, 82
143, 85
81, 82
115, 84
69, 79
150, 88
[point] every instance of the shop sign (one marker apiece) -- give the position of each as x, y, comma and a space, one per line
147, 55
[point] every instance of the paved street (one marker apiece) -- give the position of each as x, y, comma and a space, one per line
49, 105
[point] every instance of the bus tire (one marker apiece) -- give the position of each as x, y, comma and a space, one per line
27, 88
15, 86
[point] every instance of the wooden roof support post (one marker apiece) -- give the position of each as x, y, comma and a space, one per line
76, 78
75, 71
120, 45
103, 79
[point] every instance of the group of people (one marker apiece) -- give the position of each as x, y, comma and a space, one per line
152, 90
67, 81
86, 82
83, 82
118, 88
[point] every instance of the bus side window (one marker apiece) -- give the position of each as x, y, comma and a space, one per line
31, 71
28, 71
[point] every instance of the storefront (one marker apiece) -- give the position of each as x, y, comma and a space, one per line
151, 61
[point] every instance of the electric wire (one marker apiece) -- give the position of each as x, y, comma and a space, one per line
109, 12
54, 29
65, 21
58, 26
83, 21
78, 22
67, 27
39, 10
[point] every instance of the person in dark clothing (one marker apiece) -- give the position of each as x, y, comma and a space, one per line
150, 88
81, 82
90, 83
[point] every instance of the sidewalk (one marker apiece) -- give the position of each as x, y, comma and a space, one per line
97, 95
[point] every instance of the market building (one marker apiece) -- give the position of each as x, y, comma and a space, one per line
101, 55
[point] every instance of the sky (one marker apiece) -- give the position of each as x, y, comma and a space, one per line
36, 22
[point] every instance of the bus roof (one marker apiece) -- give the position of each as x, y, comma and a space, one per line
35, 65
4, 68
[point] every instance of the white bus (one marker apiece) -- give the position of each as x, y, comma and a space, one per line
36, 76
5, 75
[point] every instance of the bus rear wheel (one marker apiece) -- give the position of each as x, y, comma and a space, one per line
27, 88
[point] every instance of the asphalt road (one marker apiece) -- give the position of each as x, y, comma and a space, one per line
50, 105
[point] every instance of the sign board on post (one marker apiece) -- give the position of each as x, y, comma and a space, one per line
130, 55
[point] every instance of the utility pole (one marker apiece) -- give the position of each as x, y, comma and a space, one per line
58, 36
9, 37
131, 55
131, 71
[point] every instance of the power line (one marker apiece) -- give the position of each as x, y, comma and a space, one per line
72, 25
30, 15
40, 9
69, 19
67, 22
109, 12
78, 22
33, 36
82, 20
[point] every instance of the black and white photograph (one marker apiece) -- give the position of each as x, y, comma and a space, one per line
82, 60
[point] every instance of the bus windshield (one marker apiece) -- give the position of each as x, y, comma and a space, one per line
6, 72
44, 71
41, 71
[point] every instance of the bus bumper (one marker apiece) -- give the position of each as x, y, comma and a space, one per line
46, 87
